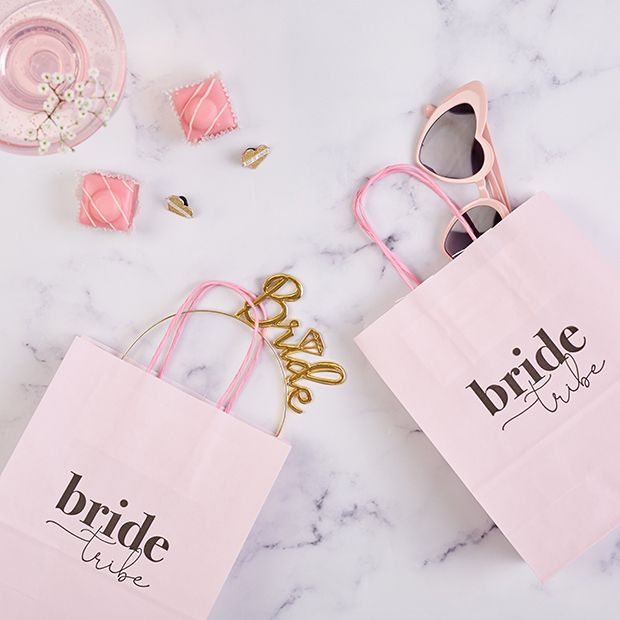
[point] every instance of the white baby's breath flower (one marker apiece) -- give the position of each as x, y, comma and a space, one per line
69, 78
44, 145
68, 134
43, 88
84, 103
113, 96
79, 87
93, 72
69, 95
58, 78
46, 77
82, 113
57, 117
105, 114
31, 133
63, 148
48, 106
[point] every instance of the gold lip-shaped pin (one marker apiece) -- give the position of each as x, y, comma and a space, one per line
254, 157
179, 205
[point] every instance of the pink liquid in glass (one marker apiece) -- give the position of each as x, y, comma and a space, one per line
49, 36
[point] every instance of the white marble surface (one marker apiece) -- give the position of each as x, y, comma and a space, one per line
367, 521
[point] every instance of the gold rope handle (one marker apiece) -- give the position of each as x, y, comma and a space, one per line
239, 320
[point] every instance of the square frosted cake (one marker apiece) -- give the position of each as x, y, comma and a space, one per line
108, 201
204, 110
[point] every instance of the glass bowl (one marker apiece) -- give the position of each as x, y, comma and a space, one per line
64, 44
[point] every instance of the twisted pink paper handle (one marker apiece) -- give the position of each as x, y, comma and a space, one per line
410, 279
176, 326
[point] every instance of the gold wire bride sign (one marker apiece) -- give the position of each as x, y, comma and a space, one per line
277, 292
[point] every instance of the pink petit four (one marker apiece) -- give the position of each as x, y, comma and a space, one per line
108, 201
204, 110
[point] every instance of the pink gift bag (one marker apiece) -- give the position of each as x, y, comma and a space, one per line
506, 358
126, 496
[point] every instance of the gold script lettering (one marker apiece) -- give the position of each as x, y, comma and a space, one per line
311, 343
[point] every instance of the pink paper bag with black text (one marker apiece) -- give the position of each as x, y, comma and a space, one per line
126, 497
507, 360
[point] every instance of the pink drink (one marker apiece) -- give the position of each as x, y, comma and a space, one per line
49, 36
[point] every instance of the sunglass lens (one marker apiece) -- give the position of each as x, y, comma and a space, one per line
480, 218
450, 148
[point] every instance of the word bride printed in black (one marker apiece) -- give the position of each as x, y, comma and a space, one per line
550, 357
130, 534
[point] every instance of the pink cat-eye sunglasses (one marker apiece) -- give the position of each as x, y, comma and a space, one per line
455, 146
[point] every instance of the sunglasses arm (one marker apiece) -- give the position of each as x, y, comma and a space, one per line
483, 188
